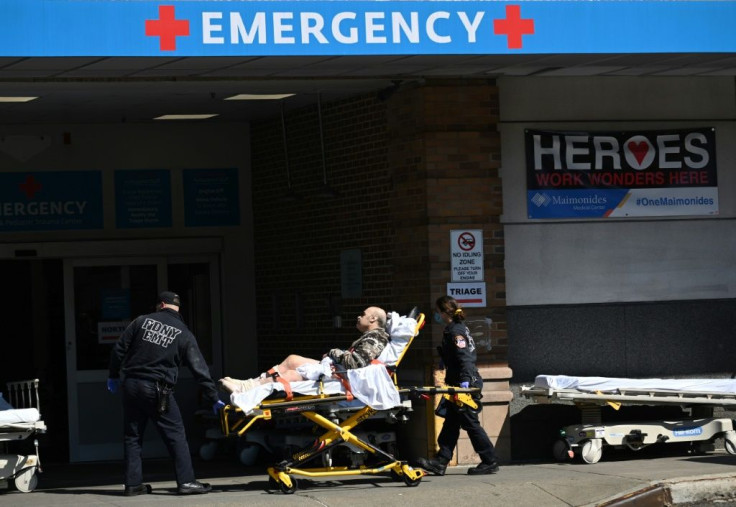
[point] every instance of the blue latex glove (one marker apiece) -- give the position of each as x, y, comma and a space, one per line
113, 385
219, 404
465, 385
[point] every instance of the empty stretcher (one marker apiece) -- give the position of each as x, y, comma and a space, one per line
590, 394
20, 419
338, 403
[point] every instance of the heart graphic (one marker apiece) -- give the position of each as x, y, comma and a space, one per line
639, 150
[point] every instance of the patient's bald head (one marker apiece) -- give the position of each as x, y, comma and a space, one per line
373, 317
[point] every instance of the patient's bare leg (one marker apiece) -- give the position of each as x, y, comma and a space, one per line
286, 370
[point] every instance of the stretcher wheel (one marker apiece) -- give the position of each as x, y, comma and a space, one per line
411, 482
249, 454
288, 490
26, 481
561, 450
591, 451
729, 445
410, 476
208, 451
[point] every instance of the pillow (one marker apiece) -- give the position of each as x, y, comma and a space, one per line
401, 330
4, 405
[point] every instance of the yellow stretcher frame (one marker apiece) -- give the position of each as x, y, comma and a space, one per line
235, 423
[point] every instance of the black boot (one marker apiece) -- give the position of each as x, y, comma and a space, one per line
194, 488
484, 469
141, 489
435, 466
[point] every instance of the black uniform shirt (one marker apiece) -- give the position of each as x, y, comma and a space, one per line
153, 347
458, 354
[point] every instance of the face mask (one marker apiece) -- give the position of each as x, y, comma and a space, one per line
438, 318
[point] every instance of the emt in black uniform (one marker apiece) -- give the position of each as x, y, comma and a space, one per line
458, 355
148, 354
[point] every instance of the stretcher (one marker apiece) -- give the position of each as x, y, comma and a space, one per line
20, 419
336, 404
588, 439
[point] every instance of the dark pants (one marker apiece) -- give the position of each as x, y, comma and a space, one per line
139, 405
455, 419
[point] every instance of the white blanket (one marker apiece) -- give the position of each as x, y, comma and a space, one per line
18, 416
612, 384
371, 385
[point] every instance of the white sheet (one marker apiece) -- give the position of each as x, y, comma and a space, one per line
371, 385
613, 384
18, 416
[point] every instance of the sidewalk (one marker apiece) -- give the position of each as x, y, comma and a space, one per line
640, 480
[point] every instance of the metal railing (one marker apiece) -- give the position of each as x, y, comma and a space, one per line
24, 394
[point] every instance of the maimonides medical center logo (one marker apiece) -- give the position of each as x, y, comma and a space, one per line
541, 199
168, 28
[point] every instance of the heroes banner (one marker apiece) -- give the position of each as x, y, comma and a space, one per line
632, 173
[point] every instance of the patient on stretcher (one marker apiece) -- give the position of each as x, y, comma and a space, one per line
372, 323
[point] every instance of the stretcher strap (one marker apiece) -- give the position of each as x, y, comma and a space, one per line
346, 384
287, 386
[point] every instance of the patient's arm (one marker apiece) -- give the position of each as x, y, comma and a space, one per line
363, 351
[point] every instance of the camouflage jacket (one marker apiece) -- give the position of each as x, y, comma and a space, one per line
363, 350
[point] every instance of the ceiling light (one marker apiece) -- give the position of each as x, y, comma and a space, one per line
185, 116
253, 96
17, 99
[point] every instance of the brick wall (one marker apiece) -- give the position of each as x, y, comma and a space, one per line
408, 169
298, 240
445, 155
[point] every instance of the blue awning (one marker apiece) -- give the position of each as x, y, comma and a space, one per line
51, 28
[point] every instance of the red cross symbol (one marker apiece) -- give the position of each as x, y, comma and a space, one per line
30, 186
167, 28
513, 26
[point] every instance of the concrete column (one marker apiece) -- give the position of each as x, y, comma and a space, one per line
444, 151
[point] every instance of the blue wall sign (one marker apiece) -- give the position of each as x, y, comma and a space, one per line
142, 199
263, 28
48, 201
115, 304
211, 197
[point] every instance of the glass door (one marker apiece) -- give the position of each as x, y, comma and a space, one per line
102, 296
